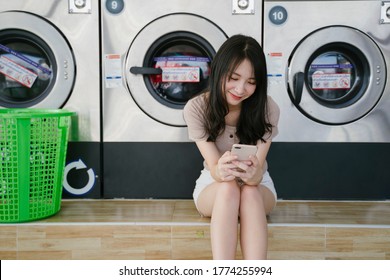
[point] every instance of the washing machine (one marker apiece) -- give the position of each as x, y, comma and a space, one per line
49, 58
156, 56
328, 71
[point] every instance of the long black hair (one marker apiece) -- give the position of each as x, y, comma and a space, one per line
253, 123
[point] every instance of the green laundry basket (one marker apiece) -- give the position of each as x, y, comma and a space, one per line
33, 145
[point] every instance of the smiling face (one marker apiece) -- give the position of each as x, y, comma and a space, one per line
240, 85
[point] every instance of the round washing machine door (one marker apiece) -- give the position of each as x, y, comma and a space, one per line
336, 75
37, 67
169, 62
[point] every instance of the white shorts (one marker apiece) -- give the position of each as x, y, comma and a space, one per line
206, 179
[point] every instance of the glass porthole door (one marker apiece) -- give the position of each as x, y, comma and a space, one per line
336, 75
37, 67
165, 69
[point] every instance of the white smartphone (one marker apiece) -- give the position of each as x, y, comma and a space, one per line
243, 151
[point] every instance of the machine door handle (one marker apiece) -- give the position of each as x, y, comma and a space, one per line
299, 80
145, 70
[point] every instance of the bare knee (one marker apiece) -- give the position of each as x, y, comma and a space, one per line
258, 195
229, 192
250, 194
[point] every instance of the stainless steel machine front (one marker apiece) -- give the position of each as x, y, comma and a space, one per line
328, 65
49, 58
328, 69
156, 56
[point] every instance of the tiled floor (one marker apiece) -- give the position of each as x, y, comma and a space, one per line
183, 211
172, 229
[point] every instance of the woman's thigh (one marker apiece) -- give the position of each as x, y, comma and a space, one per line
269, 199
206, 198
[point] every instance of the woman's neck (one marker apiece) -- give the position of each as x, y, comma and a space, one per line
232, 117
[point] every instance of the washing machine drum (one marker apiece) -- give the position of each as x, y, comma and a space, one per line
36, 64
182, 76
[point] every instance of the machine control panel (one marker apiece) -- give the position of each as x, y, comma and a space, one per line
385, 12
79, 6
242, 7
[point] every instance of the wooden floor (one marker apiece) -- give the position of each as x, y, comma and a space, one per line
172, 229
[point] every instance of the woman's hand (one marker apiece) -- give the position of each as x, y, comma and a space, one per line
225, 167
249, 171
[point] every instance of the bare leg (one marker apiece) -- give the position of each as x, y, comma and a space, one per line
221, 202
256, 203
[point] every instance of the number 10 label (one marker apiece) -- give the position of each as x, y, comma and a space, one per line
278, 15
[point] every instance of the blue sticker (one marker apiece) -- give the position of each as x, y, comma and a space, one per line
278, 15
115, 6
25, 59
182, 58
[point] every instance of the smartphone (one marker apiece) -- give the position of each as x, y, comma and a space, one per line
244, 151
